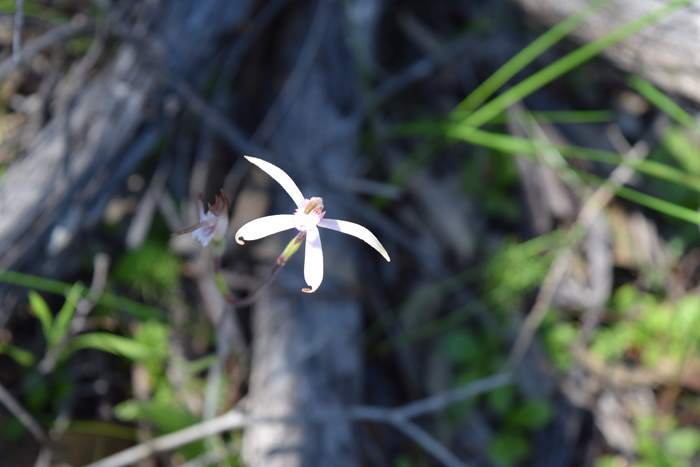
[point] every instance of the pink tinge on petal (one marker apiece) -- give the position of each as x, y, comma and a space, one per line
356, 230
264, 226
313, 261
280, 177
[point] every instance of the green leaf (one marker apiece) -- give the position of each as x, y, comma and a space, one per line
12, 431
625, 297
152, 270
42, 312
686, 318
194, 367
21, 356
64, 317
106, 342
155, 337
611, 343
531, 415
501, 399
508, 448
166, 415
37, 395
95, 428
611, 461
558, 340
459, 347
683, 442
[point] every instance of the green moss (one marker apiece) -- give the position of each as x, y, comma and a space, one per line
152, 271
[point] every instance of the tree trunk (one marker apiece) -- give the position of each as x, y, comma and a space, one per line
665, 53
306, 353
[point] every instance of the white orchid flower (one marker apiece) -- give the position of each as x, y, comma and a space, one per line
212, 224
308, 216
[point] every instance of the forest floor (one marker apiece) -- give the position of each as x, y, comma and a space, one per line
541, 305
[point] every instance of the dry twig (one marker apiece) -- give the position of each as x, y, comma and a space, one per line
24, 417
17, 25
587, 215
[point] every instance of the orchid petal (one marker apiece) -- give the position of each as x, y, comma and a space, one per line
356, 230
264, 226
313, 261
280, 177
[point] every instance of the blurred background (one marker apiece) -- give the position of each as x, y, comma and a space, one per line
531, 166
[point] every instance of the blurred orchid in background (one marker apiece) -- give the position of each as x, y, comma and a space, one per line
213, 224
308, 216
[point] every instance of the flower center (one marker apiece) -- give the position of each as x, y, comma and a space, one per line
309, 214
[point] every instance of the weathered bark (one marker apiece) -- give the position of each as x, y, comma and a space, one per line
93, 143
306, 356
665, 53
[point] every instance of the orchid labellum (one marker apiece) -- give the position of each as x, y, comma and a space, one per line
307, 217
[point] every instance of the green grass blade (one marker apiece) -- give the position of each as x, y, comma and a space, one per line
522, 146
571, 116
561, 117
663, 102
514, 145
41, 310
109, 300
567, 63
110, 343
659, 205
23, 357
652, 202
94, 429
65, 315
34, 282
524, 58
681, 146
